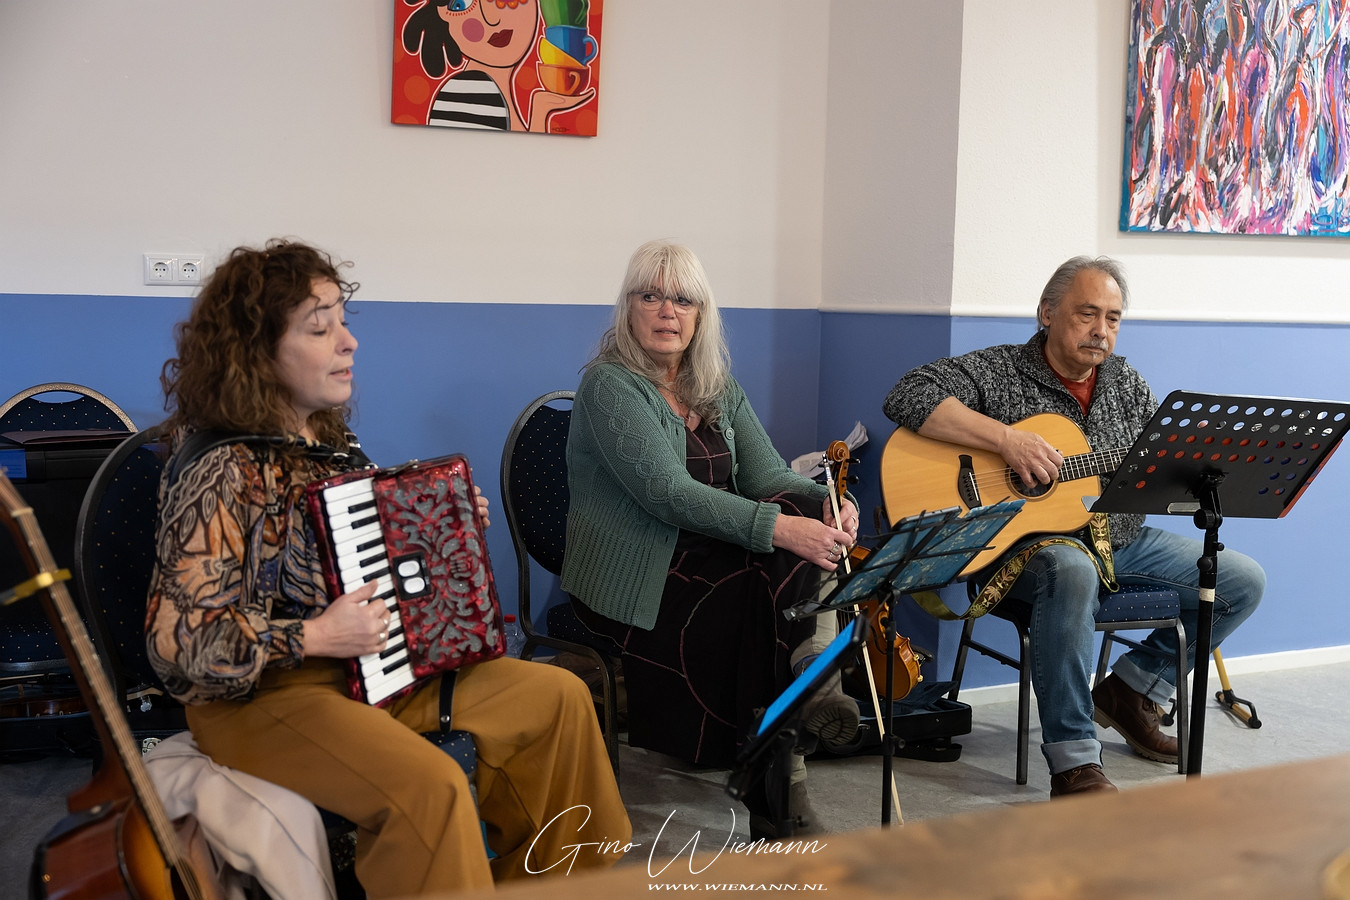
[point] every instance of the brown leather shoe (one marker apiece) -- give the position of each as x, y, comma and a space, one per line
1080, 780
1119, 706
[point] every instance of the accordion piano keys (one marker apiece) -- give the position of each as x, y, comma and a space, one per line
359, 555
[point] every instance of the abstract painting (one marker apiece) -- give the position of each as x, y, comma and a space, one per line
1236, 117
503, 65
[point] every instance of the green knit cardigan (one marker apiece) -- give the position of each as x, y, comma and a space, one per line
631, 493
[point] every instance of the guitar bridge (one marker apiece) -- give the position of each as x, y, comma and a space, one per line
966, 488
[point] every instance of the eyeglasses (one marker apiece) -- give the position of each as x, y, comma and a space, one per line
651, 300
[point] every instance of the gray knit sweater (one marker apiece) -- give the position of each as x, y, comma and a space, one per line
1013, 381
631, 493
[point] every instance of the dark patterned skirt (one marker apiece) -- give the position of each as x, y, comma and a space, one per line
718, 654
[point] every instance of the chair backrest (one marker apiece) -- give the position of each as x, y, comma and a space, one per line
27, 411
51, 470
535, 497
115, 553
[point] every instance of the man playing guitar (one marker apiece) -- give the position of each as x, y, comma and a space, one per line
1067, 368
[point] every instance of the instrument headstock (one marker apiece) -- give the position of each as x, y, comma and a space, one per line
838, 458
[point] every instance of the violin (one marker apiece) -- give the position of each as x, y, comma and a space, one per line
118, 841
905, 672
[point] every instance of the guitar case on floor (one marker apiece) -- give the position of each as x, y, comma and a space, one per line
925, 721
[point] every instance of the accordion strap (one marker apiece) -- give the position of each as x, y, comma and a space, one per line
447, 697
199, 443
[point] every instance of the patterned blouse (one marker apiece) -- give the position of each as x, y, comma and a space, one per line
237, 571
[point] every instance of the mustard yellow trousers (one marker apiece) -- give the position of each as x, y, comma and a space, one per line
545, 787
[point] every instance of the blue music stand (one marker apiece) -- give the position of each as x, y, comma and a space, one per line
768, 753
922, 552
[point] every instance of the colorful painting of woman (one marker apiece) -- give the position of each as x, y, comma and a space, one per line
485, 44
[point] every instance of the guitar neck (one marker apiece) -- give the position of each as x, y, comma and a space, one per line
1097, 462
94, 684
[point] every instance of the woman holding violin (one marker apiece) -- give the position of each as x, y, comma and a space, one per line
688, 536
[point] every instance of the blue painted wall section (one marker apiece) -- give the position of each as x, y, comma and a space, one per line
432, 378
862, 356
435, 378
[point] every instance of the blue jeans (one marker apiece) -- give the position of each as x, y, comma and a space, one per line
1062, 586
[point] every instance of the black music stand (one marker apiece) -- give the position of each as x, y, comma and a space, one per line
1211, 455
921, 553
767, 756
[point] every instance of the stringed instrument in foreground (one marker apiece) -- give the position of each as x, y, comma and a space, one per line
920, 474
905, 671
117, 841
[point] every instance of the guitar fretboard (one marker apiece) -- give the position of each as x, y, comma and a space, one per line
1098, 462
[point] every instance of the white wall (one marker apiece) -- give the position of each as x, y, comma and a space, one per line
181, 125
1039, 176
130, 126
890, 180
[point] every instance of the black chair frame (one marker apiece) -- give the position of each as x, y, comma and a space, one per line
123, 655
528, 538
1109, 623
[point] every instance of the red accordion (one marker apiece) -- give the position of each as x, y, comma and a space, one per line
415, 529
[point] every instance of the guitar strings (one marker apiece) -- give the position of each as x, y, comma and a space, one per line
1074, 466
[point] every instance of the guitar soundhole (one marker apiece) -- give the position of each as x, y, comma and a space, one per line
1032, 492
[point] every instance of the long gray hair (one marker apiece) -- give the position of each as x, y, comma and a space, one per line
1062, 280
672, 269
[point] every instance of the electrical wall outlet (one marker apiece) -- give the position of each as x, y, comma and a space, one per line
189, 270
171, 268
160, 268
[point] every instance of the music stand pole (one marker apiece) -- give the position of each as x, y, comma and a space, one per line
778, 777
1209, 517
891, 741
771, 769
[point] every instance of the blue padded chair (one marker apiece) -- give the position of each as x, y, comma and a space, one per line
27, 644
30, 410
535, 498
1130, 609
115, 553
53, 437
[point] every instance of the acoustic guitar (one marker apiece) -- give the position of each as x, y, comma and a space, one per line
919, 473
117, 841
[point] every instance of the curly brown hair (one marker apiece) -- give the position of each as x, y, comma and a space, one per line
224, 376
